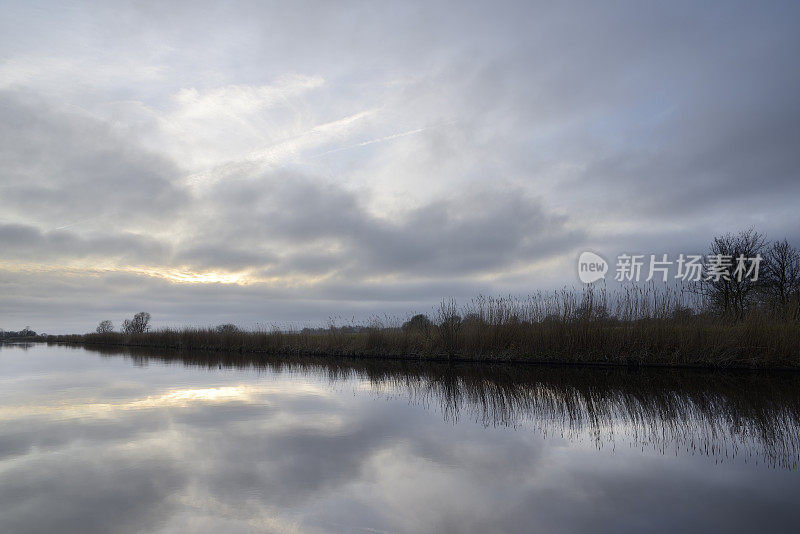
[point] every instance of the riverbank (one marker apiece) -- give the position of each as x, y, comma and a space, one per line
694, 343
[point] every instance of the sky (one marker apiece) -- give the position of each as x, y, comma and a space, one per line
290, 162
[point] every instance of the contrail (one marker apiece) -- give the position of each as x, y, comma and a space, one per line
77, 222
370, 142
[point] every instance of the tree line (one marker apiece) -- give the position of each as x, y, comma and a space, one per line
139, 324
24, 333
776, 289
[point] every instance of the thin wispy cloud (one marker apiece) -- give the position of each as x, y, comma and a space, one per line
70, 225
370, 142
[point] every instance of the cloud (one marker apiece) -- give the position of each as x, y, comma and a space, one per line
216, 126
61, 167
308, 223
26, 243
345, 153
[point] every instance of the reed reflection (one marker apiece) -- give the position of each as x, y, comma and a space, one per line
754, 417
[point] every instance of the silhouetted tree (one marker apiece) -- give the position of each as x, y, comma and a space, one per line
781, 275
227, 328
105, 327
138, 325
731, 293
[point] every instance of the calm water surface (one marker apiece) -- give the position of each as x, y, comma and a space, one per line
96, 441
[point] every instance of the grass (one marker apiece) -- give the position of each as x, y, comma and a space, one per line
633, 326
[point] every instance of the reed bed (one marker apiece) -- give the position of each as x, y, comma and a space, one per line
646, 325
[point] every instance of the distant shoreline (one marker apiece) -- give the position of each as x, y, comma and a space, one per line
254, 356
636, 327
691, 347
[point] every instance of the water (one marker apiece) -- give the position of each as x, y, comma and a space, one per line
105, 441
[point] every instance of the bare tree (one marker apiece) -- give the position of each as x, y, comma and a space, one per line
781, 280
731, 293
105, 327
138, 325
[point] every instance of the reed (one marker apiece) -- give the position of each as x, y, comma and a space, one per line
635, 325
